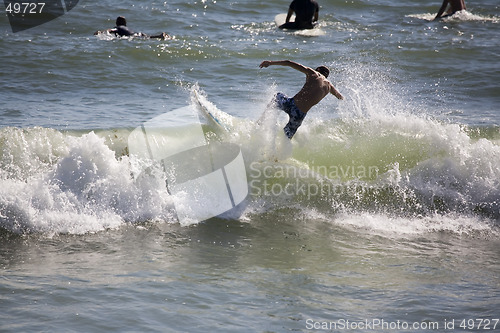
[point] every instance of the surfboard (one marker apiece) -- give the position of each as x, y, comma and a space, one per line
214, 117
281, 19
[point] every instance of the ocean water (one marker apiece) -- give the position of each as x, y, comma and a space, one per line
382, 213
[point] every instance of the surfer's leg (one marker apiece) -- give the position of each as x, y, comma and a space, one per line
289, 25
290, 130
296, 118
297, 26
288, 106
291, 127
162, 36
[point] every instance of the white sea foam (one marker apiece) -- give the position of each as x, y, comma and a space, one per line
389, 226
462, 15
428, 175
87, 189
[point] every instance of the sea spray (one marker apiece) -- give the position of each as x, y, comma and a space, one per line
268, 141
85, 189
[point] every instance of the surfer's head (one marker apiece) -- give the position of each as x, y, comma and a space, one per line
323, 70
120, 20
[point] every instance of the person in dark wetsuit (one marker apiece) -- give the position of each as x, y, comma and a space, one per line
455, 6
121, 30
314, 90
306, 15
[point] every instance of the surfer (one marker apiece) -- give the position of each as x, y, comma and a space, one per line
455, 6
121, 30
314, 90
306, 15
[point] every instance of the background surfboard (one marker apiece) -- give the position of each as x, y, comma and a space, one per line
281, 18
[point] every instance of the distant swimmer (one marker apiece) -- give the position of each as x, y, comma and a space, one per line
306, 15
314, 90
121, 30
455, 6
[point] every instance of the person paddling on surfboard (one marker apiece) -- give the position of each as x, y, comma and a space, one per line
455, 6
121, 30
306, 15
314, 90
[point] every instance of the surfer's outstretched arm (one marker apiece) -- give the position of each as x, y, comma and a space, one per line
335, 92
288, 63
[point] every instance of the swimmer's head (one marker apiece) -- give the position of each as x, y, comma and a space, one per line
323, 70
120, 20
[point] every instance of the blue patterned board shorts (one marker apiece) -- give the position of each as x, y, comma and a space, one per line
296, 116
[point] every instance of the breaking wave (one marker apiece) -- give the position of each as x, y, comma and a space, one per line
369, 168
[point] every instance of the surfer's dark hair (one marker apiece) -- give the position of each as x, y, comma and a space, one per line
120, 20
323, 70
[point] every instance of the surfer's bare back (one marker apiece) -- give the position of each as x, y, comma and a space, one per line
314, 90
